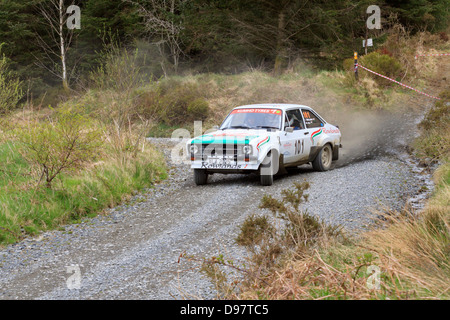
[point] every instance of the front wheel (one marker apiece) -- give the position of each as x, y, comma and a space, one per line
200, 177
269, 167
266, 180
322, 162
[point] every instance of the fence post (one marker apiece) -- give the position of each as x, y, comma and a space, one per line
355, 57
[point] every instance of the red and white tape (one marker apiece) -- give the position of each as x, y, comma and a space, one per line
402, 84
432, 55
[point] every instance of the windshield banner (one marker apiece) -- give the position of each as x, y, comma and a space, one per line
254, 110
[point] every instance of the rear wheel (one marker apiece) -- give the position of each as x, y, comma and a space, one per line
322, 162
200, 177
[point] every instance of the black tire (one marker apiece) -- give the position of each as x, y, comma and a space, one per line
267, 169
323, 160
266, 180
200, 177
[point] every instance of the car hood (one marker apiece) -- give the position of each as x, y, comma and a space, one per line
238, 136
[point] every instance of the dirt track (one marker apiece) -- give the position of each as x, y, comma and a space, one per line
132, 252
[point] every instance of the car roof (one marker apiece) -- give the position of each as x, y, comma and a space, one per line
283, 106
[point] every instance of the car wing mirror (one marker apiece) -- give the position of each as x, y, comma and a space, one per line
289, 129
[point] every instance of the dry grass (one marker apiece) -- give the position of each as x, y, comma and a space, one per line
415, 251
410, 258
405, 256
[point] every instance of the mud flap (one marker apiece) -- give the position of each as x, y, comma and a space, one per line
282, 170
271, 164
335, 153
313, 153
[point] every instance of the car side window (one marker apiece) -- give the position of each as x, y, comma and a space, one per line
295, 119
311, 120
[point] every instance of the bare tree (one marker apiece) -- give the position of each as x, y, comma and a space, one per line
58, 39
283, 20
161, 20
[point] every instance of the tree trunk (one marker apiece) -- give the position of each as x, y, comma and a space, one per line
280, 59
62, 45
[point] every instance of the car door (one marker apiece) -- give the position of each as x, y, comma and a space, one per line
314, 125
294, 145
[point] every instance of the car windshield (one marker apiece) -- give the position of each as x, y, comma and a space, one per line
253, 118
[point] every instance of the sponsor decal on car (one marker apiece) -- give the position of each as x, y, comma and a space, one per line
262, 142
220, 165
256, 110
329, 131
315, 134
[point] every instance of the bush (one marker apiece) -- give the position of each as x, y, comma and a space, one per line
174, 103
348, 64
299, 233
383, 64
183, 104
119, 70
65, 143
197, 109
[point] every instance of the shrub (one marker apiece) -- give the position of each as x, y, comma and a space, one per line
383, 64
174, 103
299, 231
119, 69
65, 143
348, 64
183, 104
197, 109
253, 230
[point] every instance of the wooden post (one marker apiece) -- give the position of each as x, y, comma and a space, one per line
367, 36
355, 57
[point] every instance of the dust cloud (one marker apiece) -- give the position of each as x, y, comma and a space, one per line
371, 134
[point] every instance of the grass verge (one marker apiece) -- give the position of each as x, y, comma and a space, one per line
28, 207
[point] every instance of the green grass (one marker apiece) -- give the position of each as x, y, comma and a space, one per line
27, 209
12, 165
162, 130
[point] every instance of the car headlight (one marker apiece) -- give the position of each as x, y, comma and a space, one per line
247, 150
193, 148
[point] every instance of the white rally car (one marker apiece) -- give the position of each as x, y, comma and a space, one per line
266, 139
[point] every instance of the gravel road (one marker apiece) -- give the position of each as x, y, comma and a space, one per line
132, 251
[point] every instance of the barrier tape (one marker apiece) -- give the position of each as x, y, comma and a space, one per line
432, 55
402, 84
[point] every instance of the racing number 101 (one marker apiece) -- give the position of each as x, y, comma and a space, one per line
299, 146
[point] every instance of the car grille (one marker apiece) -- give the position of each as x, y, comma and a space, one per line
228, 151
